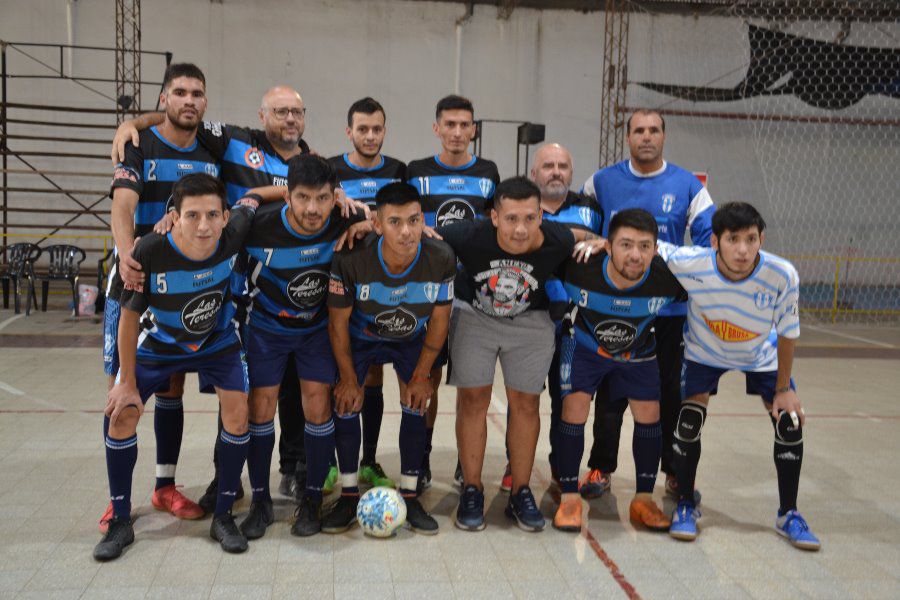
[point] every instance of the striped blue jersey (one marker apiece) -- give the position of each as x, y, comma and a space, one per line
576, 212
362, 183
735, 324
388, 307
289, 271
185, 305
453, 193
674, 196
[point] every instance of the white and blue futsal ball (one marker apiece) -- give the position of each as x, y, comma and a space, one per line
381, 511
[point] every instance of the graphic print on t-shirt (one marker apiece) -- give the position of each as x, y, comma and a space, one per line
504, 289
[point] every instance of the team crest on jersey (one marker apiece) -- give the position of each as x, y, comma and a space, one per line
455, 209
211, 169
395, 323
668, 202
254, 158
587, 216
199, 315
308, 289
431, 291
728, 331
565, 369
487, 187
614, 335
763, 299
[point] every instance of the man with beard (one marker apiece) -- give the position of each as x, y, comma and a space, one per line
141, 188
679, 203
255, 158
455, 186
615, 297
361, 174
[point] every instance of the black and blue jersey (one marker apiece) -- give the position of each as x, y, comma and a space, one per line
389, 307
617, 323
248, 158
289, 271
576, 212
453, 193
362, 183
185, 305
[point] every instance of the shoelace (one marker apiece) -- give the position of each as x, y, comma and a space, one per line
684, 510
527, 501
796, 518
472, 501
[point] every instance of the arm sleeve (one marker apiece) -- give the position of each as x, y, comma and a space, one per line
130, 172
456, 234
787, 311
215, 137
139, 301
240, 219
588, 188
700, 212
448, 276
341, 285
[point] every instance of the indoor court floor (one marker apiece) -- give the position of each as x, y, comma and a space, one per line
53, 491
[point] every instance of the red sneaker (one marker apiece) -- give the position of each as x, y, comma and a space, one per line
506, 482
169, 499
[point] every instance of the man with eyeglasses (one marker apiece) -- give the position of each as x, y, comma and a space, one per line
253, 158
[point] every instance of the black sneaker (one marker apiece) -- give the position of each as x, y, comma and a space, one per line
470, 512
208, 500
419, 520
300, 477
119, 534
309, 518
524, 510
260, 516
458, 474
225, 531
424, 481
342, 515
288, 485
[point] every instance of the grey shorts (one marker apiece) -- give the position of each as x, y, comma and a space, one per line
524, 345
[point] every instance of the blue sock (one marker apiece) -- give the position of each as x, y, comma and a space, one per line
569, 451
259, 458
121, 456
412, 449
347, 438
232, 456
168, 425
319, 441
372, 412
426, 459
646, 445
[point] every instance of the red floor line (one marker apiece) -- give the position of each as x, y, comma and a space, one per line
610, 564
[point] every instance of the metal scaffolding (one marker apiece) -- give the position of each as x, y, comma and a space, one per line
613, 88
128, 57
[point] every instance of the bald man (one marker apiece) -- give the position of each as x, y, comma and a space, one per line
254, 158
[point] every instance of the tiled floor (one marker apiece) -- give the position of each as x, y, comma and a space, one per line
53, 489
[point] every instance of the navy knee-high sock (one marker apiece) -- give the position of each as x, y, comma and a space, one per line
412, 449
646, 447
426, 459
121, 456
319, 442
168, 425
259, 459
372, 413
347, 438
568, 452
232, 456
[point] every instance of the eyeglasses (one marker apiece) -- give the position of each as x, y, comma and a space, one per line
282, 113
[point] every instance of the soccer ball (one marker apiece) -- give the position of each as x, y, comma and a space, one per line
381, 511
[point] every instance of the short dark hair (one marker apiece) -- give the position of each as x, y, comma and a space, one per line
367, 106
516, 188
736, 216
636, 218
644, 111
453, 102
197, 184
176, 70
397, 193
310, 170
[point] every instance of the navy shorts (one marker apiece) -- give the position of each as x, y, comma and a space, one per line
267, 355
225, 371
581, 370
111, 313
697, 378
404, 355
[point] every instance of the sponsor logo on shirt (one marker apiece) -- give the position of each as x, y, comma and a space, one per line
254, 158
395, 323
199, 315
336, 287
614, 335
455, 209
307, 289
126, 173
728, 331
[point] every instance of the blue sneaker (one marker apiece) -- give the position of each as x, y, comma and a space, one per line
524, 511
470, 513
684, 522
793, 526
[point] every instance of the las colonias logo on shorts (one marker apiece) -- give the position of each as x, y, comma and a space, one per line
729, 332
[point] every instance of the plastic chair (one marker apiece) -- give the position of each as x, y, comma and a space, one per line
65, 264
20, 264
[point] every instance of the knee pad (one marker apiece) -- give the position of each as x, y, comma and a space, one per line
785, 432
690, 422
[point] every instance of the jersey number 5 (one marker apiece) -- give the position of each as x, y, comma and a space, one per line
584, 298
161, 286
